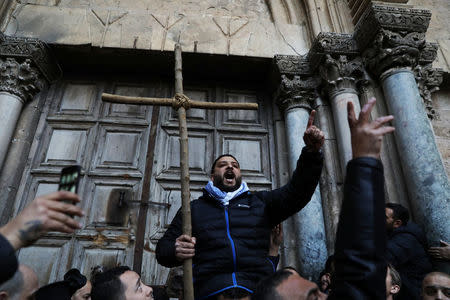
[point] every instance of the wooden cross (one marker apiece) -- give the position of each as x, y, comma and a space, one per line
181, 103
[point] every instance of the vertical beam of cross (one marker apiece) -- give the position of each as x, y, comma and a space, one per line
184, 164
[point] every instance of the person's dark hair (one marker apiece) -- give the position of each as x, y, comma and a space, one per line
234, 293
396, 279
107, 285
266, 288
399, 212
223, 155
75, 279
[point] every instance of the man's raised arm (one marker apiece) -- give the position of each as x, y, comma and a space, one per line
361, 237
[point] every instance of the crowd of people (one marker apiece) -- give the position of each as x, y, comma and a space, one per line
236, 234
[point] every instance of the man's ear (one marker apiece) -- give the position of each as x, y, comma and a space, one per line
397, 223
4, 295
395, 289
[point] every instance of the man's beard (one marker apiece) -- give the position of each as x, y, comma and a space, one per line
218, 183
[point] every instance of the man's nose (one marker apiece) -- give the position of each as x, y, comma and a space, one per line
149, 291
439, 295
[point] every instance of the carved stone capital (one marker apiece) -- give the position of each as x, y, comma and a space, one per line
330, 43
391, 37
341, 74
26, 65
391, 50
20, 78
295, 91
428, 79
396, 19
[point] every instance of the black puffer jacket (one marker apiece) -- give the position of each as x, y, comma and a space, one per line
406, 251
361, 236
233, 241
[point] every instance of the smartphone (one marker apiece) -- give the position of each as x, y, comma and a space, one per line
70, 177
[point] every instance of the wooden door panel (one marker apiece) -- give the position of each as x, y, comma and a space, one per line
48, 257
97, 198
101, 251
78, 99
246, 117
120, 147
200, 143
139, 112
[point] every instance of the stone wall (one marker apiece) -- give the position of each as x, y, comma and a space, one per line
441, 125
248, 28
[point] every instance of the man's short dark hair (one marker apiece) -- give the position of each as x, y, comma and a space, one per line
223, 155
107, 285
234, 293
267, 288
399, 212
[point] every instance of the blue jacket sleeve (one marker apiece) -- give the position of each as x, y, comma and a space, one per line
8, 260
361, 235
284, 202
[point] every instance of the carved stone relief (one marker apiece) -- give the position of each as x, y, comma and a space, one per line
428, 78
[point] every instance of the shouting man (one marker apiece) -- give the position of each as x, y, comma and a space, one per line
231, 227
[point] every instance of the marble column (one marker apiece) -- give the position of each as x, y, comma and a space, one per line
392, 49
336, 58
305, 240
425, 174
342, 89
19, 82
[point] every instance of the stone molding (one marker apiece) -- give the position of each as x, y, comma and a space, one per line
296, 92
35, 51
20, 78
292, 64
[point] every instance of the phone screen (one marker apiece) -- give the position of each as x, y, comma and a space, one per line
70, 177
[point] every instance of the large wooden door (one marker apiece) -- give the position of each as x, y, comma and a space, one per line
110, 142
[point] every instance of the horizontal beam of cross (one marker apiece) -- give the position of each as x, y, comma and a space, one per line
173, 102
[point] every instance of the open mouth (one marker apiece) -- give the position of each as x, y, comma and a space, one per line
229, 176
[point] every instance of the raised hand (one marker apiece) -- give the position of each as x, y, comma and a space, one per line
43, 214
367, 136
313, 137
184, 247
442, 252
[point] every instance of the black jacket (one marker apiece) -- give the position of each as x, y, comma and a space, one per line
360, 267
406, 251
233, 241
8, 260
